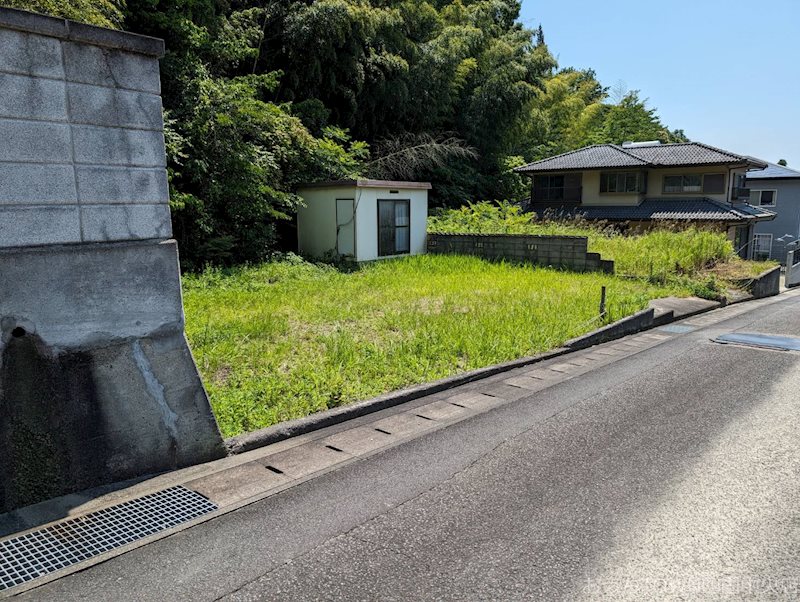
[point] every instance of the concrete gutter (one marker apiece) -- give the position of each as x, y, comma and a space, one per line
641, 320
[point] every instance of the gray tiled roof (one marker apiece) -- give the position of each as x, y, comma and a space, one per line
602, 156
597, 156
699, 209
773, 171
687, 153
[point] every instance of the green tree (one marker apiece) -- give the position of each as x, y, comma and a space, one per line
235, 156
260, 96
631, 119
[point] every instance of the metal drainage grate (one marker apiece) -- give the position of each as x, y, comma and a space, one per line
763, 341
58, 546
677, 329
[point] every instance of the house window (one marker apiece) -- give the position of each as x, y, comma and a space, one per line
622, 182
711, 183
558, 187
765, 198
714, 183
394, 227
762, 246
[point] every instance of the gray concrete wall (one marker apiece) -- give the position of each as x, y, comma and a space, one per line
567, 252
97, 382
766, 284
82, 152
792, 269
639, 321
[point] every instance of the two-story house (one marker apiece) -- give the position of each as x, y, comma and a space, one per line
776, 188
639, 184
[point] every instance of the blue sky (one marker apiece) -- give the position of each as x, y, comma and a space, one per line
726, 71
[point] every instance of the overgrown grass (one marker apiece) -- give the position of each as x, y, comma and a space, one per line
288, 338
692, 255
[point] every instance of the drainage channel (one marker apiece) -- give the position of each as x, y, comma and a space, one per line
38, 553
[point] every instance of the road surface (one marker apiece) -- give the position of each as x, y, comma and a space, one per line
669, 474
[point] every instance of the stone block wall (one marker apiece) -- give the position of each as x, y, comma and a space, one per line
97, 382
567, 252
81, 134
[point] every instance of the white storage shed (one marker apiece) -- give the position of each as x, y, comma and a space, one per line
363, 219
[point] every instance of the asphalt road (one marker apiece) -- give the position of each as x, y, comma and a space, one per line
671, 474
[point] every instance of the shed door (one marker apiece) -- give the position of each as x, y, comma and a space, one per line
345, 227
394, 227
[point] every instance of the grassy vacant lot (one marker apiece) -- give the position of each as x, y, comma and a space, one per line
289, 338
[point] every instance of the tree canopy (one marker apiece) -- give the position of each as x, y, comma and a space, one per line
262, 95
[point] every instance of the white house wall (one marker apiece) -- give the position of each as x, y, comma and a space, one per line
367, 219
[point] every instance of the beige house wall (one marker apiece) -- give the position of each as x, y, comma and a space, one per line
591, 195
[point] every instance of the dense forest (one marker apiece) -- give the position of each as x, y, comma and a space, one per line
262, 95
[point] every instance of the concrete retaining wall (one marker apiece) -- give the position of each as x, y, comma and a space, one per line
82, 156
568, 252
97, 382
639, 321
766, 284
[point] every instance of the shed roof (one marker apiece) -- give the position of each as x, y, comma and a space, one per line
366, 183
773, 171
690, 209
600, 156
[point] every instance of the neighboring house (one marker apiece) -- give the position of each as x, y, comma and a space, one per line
639, 184
363, 219
776, 188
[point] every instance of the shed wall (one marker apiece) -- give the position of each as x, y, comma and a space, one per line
316, 222
367, 220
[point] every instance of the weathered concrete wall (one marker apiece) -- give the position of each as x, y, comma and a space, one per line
96, 380
639, 321
766, 284
568, 252
792, 269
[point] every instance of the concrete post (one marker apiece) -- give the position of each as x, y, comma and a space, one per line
97, 383
792, 277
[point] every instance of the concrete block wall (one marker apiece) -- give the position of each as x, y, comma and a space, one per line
567, 252
82, 153
97, 382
